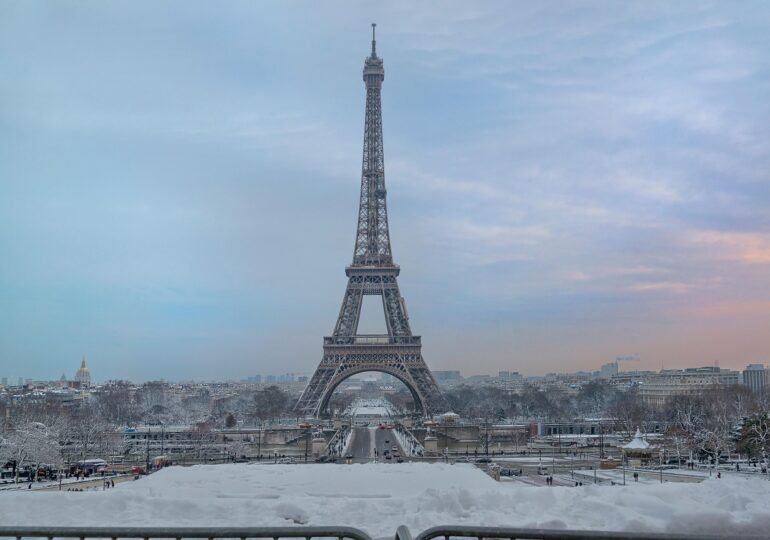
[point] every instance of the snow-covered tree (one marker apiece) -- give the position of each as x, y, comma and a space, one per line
30, 443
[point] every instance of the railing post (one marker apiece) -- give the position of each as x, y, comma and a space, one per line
402, 533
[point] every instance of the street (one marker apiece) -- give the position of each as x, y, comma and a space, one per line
366, 439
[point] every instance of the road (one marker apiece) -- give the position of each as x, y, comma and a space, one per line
365, 440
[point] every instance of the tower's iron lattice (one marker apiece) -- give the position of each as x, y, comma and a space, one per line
346, 352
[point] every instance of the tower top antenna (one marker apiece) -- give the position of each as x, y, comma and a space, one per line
374, 43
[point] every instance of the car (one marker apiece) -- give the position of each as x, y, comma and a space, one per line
388, 456
387, 441
394, 448
287, 460
483, 460
400, 460
322, 459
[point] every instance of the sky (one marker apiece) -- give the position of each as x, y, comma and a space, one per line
567, 183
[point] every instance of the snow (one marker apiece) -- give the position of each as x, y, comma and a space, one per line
637, 443
379, 497
368, 410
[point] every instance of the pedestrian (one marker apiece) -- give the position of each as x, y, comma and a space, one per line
636, 477
719, 474
112, 483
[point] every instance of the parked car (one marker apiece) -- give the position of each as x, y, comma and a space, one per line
483, 460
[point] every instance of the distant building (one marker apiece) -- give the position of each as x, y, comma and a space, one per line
656, 389
755, 376
447, 376
83, 375
608, 370
509, 376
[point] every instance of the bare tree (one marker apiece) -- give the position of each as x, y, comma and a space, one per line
30, 443
87, 435
755, 435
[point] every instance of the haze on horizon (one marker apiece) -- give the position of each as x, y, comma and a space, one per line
567, 183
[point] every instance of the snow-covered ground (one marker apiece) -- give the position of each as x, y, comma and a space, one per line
379, 497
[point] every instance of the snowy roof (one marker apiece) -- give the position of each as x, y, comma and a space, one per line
637, 443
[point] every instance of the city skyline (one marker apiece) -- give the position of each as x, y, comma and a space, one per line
566, 186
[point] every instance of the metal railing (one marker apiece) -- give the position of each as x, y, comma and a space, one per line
342, 533
146, 533
481, 533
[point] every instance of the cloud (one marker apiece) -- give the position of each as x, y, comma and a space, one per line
180, 170
743, 247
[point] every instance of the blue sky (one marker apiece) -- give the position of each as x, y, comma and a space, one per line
567, 182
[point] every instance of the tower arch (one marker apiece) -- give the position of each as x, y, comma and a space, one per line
343, 376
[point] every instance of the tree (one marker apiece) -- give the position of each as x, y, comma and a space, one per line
269, 403
630, 413
593, 397
117, 404
30, 443
755, 435
87, 435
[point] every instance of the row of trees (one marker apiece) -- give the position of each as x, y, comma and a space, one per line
716, 421
36, 433
156, 403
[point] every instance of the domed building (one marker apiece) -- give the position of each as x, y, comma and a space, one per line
83, 375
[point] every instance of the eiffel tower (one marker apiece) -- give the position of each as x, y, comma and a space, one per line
346, 352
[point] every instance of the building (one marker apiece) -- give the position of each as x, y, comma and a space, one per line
609, 370
83, 375
509, 376
447, 376
755, 376
656, 389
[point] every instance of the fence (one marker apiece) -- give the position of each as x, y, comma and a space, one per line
342, 533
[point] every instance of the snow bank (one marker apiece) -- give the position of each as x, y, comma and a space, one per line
379, 497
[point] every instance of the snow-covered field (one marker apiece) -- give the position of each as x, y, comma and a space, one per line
379, 497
